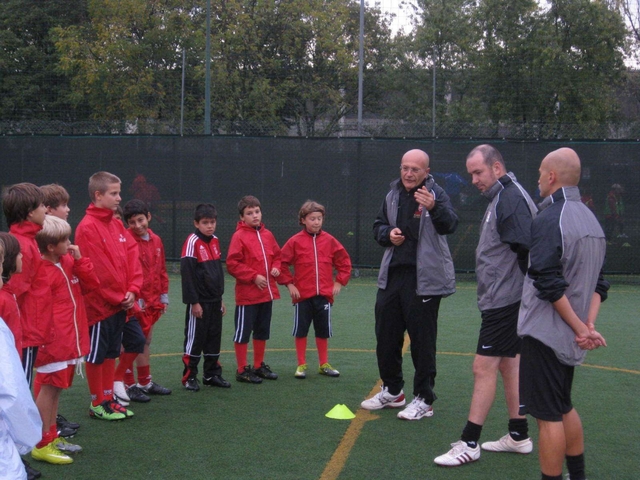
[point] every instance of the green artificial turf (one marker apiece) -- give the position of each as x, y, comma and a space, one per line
278, 430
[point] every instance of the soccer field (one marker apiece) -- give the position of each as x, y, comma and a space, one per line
278, 430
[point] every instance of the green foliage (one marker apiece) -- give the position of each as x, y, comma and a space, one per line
506, 61
292, 66
30, 84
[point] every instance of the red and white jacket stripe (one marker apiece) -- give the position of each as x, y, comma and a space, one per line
253, 252
314, 258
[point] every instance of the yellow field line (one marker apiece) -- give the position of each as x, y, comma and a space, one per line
368, 350
339, 457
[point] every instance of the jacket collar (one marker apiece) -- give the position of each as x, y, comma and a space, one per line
26, 228
102, 214
203, 237
571, 194
500, 185
243, 226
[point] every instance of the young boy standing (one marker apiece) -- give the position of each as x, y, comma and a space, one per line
103, 239
254, 261
69, 331
314, 254
202, 289
153, 301
25, 212
56, 199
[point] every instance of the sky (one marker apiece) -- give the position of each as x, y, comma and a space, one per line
397, 7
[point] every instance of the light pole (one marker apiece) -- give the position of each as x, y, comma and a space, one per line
207, 75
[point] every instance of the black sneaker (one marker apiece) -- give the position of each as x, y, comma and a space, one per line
265, 372
66, 432
248, 376
152, 388
192, 384
136, 394
63, 422
216, 381
32, 473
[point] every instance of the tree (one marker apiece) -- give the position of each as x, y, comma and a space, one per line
30, 85
126, 61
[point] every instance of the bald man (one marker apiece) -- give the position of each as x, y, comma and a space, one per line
415, 273
561, 299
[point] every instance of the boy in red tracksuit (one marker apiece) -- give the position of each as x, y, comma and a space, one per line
153, 302
314, 254
104, 240
9, 310
68, 337
25, 212
254, 261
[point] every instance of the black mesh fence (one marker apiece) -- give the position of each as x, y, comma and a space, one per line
350, 176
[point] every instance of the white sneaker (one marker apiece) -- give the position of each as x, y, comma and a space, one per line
383, 399
416, 410
460, 454
508, 444
121, 393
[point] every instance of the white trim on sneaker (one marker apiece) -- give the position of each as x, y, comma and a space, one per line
383, 399
120, 393
508, 444
459, 454
416, 410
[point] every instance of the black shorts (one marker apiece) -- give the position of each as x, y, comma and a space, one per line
499, 332
106, 338
545, 383
133, 338
252, 318
317, 310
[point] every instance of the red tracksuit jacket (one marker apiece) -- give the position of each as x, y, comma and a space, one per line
11, 315
31, 287
155, 282
253, 252
104, 240
314, 257
69, 329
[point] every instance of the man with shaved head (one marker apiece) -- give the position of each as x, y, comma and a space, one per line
561, 299
415, 273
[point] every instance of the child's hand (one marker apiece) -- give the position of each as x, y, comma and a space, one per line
129, 300
260, 281
223, 309
75, 252
293, 291
337, 286
275, 272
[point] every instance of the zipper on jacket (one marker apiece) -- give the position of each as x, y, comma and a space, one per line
266, 263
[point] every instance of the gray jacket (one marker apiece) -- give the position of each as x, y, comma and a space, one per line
566, 258
434, 265
503, 248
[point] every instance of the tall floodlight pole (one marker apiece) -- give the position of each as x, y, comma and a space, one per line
182, 92
207, 75
360, 67
433, 99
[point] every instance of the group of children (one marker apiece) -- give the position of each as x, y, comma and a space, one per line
97, 300
66, 304
258, 265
